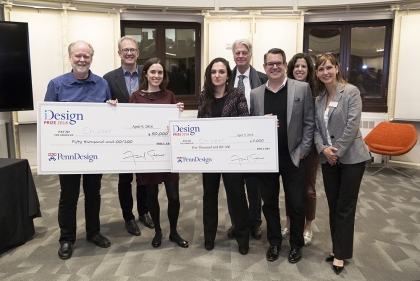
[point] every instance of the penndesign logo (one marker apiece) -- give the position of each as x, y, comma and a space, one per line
52, 156
196, 159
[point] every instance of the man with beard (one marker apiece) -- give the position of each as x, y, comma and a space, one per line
79, 85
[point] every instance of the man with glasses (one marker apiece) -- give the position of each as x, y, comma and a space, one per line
291, 101
79, 85
122, 82
247, 78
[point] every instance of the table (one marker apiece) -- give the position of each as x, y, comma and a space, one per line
19, 203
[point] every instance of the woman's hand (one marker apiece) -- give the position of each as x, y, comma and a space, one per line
329, 152
180, 106
112, 102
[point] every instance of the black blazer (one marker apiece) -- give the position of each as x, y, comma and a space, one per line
256, 78
117, 86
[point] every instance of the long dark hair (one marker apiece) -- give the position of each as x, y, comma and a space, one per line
309, 62
321, 60
208, 88
144, 84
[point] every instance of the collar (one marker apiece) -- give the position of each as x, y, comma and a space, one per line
246, 73
281, 86
135, 71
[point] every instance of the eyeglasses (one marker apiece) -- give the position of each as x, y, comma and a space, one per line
272, 64
127, 50
324, 54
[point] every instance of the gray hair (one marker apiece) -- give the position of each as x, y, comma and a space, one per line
245, 42
70, 48
127, 38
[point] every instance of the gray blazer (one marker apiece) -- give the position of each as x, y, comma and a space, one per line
116, 83
343, 125
300, 116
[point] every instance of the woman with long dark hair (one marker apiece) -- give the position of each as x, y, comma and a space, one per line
153, 82
301, 68
220, 99
343, 153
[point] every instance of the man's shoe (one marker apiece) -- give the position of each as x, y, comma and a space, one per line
295, 255
132, 227
243, 250
273, 253
209, 245
99, 240
231, 232
147, 220
65, 250
256, 232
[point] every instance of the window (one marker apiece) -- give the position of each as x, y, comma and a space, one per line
178, 45
363, 50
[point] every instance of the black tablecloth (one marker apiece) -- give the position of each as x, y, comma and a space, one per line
19, 203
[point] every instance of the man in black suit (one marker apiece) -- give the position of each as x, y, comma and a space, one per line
247, 78
122, 82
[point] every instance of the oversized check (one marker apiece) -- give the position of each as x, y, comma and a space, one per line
86, 138
236, 144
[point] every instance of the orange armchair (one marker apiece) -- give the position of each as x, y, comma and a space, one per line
391, 139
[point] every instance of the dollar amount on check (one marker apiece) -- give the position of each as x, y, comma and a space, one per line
234, 144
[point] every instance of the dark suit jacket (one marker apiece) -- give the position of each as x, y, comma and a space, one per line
117, 86
256, 78
300, 116
235, 105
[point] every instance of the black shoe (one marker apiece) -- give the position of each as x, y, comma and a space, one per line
337, 269
243, 250
147, 220
156, 244
256, 232
273, 253
181, 243
231, 232
209, 245
132, 227
99, 240
65, 250
295, 255
330, 258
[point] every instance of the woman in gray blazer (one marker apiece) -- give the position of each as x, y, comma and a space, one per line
343, 153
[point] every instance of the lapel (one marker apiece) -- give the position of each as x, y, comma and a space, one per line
337, 97
120, 81
261, 103
322, 104
291, 90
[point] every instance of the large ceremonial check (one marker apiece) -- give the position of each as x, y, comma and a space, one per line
87, 138
236, 144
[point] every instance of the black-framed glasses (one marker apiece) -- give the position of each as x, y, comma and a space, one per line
326, 54
128, 50
272, 64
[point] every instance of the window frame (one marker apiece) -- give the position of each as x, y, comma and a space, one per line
190, 101
369, 104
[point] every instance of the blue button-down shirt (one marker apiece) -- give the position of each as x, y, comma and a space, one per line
66, 88
131, 80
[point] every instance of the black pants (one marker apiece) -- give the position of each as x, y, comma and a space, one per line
295, 195
126, 197
342, 184
172, 192
234, 184
254, 202
67, 207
